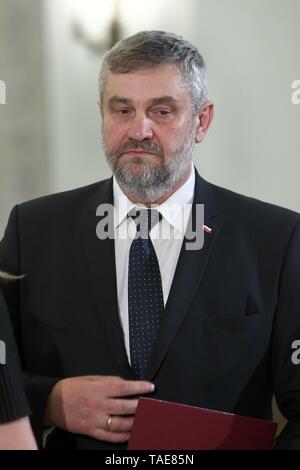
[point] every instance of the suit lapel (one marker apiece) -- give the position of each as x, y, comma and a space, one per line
102, 273
188, 276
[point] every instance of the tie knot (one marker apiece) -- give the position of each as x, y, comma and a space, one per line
145, 220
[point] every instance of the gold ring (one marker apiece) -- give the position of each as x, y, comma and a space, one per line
109, 421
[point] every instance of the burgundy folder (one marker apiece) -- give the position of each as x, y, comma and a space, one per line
161, 425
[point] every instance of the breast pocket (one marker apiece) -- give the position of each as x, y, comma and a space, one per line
234, 324
234, 346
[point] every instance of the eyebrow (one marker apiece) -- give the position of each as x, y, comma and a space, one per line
163, 100
119, 99
152, 102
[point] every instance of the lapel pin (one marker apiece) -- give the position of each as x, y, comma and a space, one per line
206, 229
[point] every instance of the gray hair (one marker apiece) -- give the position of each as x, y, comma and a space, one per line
148, 49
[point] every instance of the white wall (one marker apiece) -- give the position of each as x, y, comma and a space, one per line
25, 168
252, 52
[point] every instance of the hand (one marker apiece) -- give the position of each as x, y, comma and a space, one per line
84, 405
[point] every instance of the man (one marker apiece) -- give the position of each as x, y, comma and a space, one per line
218, 323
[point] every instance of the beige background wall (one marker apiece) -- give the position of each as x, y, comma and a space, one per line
25, 169
50, 128
251, 49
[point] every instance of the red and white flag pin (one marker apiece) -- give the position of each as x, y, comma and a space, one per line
206, 229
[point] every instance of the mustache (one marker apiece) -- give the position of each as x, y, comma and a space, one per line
150, 147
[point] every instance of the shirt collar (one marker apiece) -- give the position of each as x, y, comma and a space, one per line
172, 210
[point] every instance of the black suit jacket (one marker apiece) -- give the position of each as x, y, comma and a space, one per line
13, 404
232, 314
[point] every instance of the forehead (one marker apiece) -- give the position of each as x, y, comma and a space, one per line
147, 84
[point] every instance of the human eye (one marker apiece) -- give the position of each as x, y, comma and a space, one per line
123, 111
120, 110
163, 112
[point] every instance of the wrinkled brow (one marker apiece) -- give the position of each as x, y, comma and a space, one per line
163, 100
119, 99
152, 102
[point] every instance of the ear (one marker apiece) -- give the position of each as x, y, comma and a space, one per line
204, 119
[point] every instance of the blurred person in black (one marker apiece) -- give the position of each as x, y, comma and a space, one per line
15, 429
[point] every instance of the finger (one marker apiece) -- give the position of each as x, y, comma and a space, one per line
121, 407
123, 388
120, 424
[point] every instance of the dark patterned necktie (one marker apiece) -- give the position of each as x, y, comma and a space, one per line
145, 294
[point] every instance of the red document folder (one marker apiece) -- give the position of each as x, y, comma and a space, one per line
161, 425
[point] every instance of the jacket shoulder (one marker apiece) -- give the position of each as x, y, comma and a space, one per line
235, 205
67, 200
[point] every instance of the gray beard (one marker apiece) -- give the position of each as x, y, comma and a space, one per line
153, 182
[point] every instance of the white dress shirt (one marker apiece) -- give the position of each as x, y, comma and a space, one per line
167, 238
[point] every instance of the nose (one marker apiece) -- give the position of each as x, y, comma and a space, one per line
140, 128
